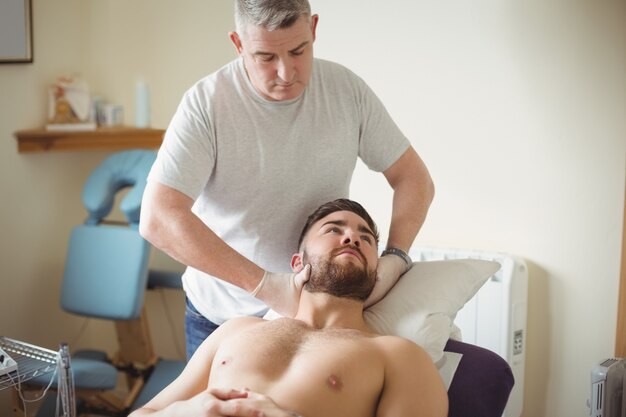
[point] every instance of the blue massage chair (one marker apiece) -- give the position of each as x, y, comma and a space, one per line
106, 276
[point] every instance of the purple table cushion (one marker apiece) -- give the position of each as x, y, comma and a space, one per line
482, 382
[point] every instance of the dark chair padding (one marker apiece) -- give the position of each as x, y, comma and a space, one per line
164, 279
164, 372
482, 383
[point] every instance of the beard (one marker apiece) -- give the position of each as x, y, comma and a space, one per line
340, 280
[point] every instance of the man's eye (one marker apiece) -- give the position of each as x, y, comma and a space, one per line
366, 238
298, 53
333, 230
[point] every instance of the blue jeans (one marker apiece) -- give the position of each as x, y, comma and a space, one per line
197, 328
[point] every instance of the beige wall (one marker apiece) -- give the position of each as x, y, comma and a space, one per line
517, 108
111, 44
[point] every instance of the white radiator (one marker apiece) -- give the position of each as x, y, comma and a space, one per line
607, 388
496, 317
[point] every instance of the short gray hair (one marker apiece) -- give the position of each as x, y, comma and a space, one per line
269, 14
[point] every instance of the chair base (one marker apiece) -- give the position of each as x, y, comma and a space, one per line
105, 404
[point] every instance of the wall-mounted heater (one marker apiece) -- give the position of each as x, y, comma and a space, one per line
607, 388
495, 318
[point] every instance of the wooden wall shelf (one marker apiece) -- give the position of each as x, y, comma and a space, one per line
110, 138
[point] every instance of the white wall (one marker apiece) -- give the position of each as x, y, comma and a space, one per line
517, 108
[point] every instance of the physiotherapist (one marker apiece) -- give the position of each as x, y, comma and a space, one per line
256, 146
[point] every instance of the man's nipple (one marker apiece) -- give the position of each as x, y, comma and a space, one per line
334, 383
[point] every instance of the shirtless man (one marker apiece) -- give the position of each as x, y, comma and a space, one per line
325, 362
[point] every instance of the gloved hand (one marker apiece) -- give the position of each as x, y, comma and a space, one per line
389, 270
281, 291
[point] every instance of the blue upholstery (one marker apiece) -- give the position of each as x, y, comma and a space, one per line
106, 272
107, 266
164, 372
88, 374
120, 170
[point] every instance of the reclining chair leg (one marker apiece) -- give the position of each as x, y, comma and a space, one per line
134, 341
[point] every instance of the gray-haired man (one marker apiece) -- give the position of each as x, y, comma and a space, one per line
255, 146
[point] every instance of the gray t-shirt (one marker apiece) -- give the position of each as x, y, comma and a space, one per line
257, 168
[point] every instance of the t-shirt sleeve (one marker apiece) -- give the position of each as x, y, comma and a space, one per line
381, 143
187, 156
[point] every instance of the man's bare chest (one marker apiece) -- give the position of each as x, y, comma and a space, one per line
296, 364
274, 347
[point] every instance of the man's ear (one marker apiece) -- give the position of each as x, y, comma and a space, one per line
314, 20
296, 262
236, 40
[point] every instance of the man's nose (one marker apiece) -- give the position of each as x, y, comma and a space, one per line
351, 239
285, 70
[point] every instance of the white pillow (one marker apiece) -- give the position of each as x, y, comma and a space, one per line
421, 307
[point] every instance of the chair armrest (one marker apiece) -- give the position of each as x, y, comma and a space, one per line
164, 279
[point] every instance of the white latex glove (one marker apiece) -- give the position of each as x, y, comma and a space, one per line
389, 270
281, 292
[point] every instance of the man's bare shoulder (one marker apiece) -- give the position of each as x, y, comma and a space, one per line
242, 321
412, 384
237, 324
396, 345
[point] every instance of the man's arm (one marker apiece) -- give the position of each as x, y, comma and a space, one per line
413, 191
412, 387
188, 395
169, 224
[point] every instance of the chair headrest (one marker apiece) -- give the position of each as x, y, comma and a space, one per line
120, 170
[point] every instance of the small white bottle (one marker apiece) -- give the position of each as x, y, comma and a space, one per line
142, 105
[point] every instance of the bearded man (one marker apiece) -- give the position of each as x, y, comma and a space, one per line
325, 362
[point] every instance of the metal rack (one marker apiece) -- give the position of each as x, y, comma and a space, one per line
31, 361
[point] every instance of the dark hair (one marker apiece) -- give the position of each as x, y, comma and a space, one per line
341, 204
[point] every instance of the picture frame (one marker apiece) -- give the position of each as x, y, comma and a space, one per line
16, 31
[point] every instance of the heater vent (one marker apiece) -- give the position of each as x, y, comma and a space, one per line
607, 388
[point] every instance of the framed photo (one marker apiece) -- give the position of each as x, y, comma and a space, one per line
16, 31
